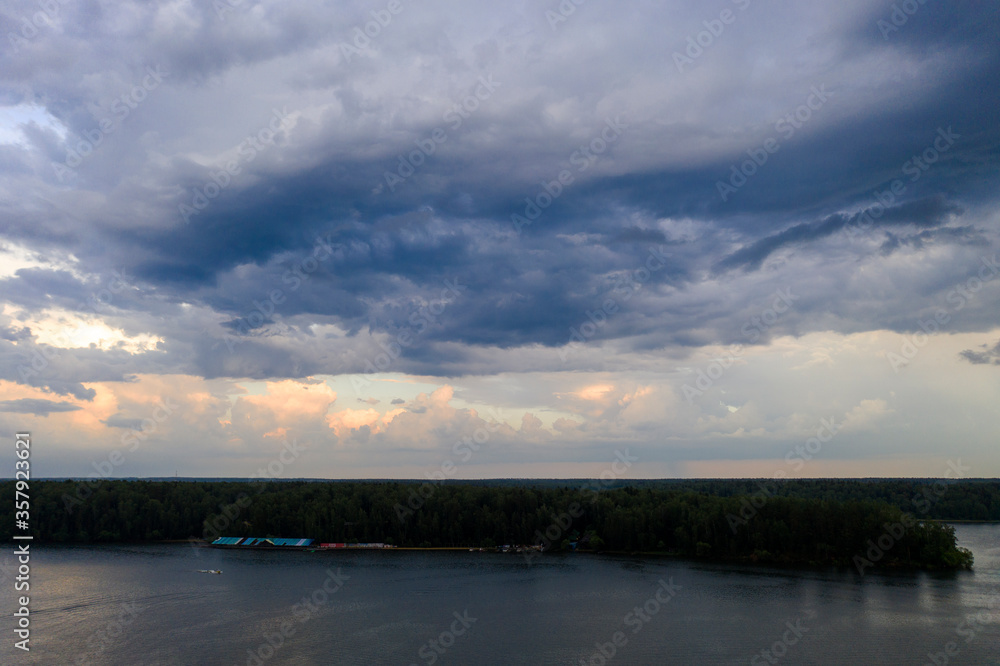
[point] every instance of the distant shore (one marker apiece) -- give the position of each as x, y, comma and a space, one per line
878, 524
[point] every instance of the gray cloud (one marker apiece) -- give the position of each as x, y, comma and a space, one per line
118, 421
920, 214
36, 406
205, 285
989, 355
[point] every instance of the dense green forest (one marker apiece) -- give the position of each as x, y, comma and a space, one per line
851, 522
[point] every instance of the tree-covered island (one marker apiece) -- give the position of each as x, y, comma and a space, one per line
859, 523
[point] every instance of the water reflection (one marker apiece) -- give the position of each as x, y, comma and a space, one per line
554, 610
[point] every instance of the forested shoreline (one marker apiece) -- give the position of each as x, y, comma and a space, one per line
857, 523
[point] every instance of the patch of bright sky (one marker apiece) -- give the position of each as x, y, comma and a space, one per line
250, 388
354, 391
13, 118
384, 387
64, 330
14, 257
511, 414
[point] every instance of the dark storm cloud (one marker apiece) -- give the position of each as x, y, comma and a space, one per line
76, 390
37, 287
985, 357
206, 281
36, 406
931, 27
965, 234
64, 371
117, 421
922, 213
13, 333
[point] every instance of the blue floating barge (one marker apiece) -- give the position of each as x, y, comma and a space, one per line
261, 543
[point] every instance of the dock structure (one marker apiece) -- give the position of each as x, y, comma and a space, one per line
273, 543
260, 542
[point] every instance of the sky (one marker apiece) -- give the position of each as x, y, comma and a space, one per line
397, 239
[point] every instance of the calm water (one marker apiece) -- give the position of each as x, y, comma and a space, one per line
553, 611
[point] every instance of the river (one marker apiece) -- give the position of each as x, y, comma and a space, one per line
149, 605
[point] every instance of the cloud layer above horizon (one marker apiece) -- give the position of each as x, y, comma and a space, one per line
694, 231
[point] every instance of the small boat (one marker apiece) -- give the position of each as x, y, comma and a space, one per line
212, 571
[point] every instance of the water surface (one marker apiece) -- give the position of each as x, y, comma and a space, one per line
148, 605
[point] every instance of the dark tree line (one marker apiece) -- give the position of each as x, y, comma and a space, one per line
822, 521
